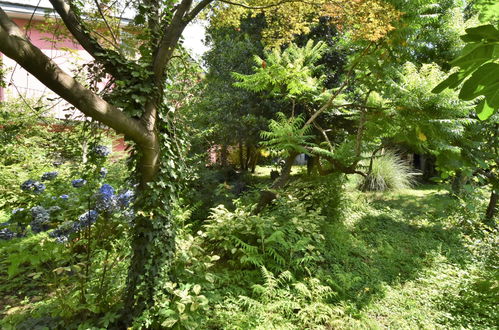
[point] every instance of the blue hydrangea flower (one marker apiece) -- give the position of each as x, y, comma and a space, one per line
41, 219
106, 201
28, 185
106, 189
101, 151
125, 198
47, 176
103, 172
39, 188
7, 234
77, 183
86, 219
61, 233
64, 196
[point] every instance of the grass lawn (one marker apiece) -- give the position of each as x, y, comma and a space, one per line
411, 264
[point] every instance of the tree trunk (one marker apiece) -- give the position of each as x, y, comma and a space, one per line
153, 238
249, 156
457, 183
492, 207
223, 156
267, 196
311, 165
241, 157
254, 159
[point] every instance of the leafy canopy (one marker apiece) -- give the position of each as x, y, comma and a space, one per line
288, 74
362, 19
478, 69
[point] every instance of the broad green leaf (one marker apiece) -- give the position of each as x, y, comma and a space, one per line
479, 55
484, 110
454, 80
480, 33
484, 81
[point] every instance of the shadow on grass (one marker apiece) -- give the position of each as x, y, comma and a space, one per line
389, 247
436, 205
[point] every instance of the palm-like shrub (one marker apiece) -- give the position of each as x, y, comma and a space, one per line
388, 172
287, 135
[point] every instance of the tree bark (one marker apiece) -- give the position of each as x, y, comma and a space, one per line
241, 157
490, 213
223, 156
267, 196
254, 159
153, 237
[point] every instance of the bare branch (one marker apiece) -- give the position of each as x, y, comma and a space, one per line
116, 43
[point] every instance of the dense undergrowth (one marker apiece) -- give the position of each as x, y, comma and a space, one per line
323, 256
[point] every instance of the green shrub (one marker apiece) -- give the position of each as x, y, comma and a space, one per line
322, 193
287, 237
388, 172
281, 302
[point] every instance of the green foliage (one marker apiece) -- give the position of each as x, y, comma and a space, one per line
388, 172
417, 118
288, 74
478, 69
282, 302
287, 135
321, 193
488, 10
286, 238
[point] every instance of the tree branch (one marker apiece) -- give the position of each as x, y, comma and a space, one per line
74, 25
116, 44
342, 87
15, 45
270, 5
169, 40
196, 10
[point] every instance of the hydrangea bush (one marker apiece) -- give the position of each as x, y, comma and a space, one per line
68, 206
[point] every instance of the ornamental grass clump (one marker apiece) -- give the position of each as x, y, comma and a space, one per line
388, 173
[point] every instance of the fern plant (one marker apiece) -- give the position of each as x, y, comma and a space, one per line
288, 237
282, 302
287, 135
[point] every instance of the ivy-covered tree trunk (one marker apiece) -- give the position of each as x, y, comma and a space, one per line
144, 78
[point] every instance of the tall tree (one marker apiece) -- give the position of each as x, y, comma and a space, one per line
136, 107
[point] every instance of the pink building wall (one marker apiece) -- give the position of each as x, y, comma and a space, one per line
63, 51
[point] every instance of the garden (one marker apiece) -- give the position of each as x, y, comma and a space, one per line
324, 165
